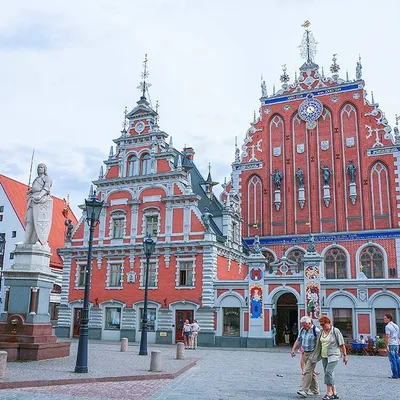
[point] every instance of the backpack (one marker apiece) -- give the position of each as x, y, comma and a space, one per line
314, 330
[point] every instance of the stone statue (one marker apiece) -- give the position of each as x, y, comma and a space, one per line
300, 177
39, 208
351, 171
358, 70
326, 174
278, 176
206, 218
311, 244
70, 227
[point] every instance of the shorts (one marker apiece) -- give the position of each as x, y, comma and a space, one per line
187, 334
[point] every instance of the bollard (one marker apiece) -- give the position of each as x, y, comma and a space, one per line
155, 361
179, 351
124, 344
3, 363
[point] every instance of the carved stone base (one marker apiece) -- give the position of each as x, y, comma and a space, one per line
277, 199
353, 193
302, 197
30, 342
327, 195
32, 257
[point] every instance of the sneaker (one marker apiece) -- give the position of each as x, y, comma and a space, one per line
311, 393
302, 393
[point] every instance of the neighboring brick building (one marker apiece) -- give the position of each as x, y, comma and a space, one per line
149, 187
319, 159
12, 227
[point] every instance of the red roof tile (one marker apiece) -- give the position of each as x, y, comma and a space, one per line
16, 193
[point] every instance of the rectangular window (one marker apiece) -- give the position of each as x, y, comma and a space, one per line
152, 274
151, 319
343, 320
231, 321
115, 275
118, 228
14, 234
380, 324
186, 269
113, 318
11, 256
82, 274
152, 225
1, 217
1, 208
234, 232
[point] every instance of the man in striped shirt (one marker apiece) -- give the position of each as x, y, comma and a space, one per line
307, 340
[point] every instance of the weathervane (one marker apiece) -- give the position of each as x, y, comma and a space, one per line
143, 86
284, 77
157, 116
335, 66
308, 47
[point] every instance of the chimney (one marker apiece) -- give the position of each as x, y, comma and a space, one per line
188, 152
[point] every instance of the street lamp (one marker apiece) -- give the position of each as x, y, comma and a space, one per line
93, 209
2, 249
148, 246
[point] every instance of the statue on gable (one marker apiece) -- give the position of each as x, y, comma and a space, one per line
326, 175
277, 176
206, 219
300, 178
39, 208
256, 245
70, 227
351, 171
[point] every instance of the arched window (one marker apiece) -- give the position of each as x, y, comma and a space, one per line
269, 257
371, 261
296, 255
145, 164
254, 201
133, 166
335, 264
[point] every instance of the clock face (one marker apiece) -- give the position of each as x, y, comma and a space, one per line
310, 109
139, 127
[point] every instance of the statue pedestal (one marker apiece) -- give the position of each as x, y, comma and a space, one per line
25, 328
352, 193
302, 197
327, 195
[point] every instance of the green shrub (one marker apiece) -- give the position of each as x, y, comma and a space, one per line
381, 344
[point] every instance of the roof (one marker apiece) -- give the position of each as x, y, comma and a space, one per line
16, 194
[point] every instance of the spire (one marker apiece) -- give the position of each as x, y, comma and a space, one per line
295, 76
111, 152
144, 86
101, 173
347, 75
308, 48
179, 165
284, 78
273, 90
189, 189
170, 142
322, 72
125, 123
237, 156
254, 116
209, 182
335, 67
91, 192
372, 97
359, 68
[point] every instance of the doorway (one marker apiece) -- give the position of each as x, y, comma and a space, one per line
180, 317
285, 318
78, 312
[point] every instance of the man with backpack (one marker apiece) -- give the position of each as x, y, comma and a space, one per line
392, 336
307, 339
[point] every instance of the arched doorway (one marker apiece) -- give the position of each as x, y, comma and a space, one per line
286, 316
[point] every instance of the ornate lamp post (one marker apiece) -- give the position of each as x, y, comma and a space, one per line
93, 209
2, 249
148, 246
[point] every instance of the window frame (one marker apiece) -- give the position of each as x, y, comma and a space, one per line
371, 269
111, 328
145, 164
298, 259
152, 270
150, 327
133, 165
183, 262
225, 331
111, 264
338, 265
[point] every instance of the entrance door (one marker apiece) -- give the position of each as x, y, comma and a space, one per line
180, 317
78, 312
287, 316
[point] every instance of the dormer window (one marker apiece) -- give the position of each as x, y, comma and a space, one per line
145, 164
133, 166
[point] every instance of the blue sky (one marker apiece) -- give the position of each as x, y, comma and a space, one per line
68, 69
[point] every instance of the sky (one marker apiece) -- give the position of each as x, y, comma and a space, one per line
68, 69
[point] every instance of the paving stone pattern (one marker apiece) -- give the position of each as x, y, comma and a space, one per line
221, 374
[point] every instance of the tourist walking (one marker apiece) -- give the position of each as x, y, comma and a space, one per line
195, 329
330, 347
307, 340
392, 336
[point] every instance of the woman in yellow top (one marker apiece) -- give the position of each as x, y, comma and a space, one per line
330, 347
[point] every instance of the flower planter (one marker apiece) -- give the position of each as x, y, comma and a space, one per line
382, 352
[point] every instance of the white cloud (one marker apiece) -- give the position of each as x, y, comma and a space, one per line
75, 65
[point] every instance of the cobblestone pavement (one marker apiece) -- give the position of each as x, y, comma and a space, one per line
232, 374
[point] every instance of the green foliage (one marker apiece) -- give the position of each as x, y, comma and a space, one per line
381, 344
